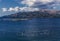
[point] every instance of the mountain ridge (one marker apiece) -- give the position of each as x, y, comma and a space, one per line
29, 15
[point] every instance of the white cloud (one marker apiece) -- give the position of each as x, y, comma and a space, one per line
17, 8
22, 9
4, 9
29, 9
28, 2
39, 3
54, 7
46, 1
14, 9
11, 9
32, 2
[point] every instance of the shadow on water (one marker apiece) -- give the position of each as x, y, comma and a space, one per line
37, 29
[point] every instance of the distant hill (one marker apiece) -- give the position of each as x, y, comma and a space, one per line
35, 14
41, 13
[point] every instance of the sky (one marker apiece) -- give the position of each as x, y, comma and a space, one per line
8, 7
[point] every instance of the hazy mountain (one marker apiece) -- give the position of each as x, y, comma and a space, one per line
36, 14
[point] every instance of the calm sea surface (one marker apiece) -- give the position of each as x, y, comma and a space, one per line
36, 29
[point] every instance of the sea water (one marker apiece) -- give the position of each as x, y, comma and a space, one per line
35, 29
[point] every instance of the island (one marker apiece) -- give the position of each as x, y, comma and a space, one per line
30, 15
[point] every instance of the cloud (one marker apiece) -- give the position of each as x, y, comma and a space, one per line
21, 9
14, 9
25, 9
32, 2
28, 2
34, 5
11, 9
4, 9
43, 4
45, 1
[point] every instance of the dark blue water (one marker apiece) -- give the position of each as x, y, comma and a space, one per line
36, 29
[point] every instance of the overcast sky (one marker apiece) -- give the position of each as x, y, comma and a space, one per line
12, 6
